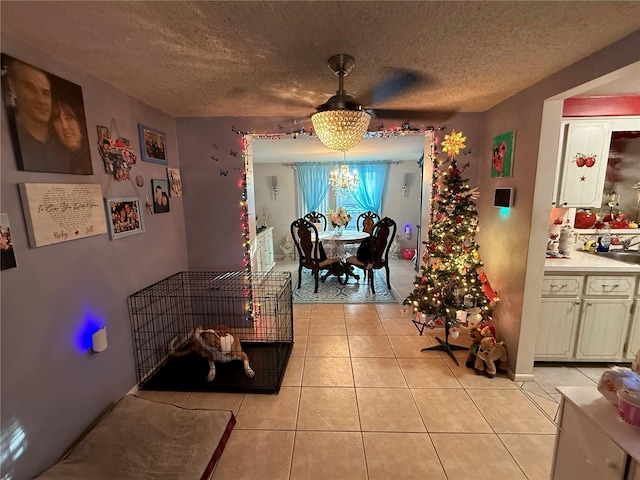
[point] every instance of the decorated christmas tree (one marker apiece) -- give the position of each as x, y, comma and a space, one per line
452, 284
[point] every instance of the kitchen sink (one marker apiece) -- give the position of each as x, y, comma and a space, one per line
627, 256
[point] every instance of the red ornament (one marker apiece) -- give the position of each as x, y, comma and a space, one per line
580, 161
590, 162
459, 219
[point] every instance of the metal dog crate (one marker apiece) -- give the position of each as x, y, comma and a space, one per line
257, 306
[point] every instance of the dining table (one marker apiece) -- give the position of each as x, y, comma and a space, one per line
338, 243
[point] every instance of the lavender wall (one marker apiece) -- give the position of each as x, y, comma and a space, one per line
506, 239
212, 208
52, 389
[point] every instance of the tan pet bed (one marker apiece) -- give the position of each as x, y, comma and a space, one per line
144, 439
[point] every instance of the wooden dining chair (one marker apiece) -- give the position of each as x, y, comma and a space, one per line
311, 253
366, 221
317, 217
382, 236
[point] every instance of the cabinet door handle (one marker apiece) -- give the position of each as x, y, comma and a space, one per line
577, 302
589, 304
605, 285
555, 285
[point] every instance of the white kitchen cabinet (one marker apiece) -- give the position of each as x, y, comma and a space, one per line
583, 161
558, 326
263, 256
557, 329
603, 329
592, 443
587, 318
604, 322
633, 345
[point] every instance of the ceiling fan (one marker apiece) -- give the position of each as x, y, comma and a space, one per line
342, 121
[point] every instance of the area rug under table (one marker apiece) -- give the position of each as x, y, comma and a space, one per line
332, 291
144, 439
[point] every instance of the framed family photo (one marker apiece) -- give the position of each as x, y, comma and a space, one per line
160, 192
502, 155
152, 145
46, 120
175, 182
124, 217
7, 254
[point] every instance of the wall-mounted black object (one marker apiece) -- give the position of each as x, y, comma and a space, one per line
503, 197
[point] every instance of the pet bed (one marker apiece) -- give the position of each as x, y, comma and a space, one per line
143, 439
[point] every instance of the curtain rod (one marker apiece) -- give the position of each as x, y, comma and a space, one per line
342, 162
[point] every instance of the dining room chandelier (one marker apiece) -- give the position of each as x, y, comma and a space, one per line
340, 122
343, 181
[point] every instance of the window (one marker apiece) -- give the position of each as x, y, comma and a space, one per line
349, 204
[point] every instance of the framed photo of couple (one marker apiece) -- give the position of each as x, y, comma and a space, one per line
153, 145
46, 119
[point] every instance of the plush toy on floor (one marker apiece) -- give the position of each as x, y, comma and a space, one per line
491, 357
477, 333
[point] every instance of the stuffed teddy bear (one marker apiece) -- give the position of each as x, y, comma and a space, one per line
477, 333
491, 357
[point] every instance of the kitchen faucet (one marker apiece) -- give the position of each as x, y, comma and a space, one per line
627, 243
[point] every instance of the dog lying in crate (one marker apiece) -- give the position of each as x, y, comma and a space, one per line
217, 344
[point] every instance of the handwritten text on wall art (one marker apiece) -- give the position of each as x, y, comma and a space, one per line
58, 212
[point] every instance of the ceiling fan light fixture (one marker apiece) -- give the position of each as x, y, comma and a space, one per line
340, 129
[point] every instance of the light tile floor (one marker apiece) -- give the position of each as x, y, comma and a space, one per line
361, 401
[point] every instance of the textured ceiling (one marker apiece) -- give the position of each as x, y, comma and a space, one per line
258, 58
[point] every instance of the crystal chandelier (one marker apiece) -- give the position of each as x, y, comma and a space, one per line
340, 129
340, 122
343, 181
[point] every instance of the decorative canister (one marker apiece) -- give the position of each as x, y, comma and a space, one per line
566, 241
584, 219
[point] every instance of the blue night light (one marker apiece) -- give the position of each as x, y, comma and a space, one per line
88, 327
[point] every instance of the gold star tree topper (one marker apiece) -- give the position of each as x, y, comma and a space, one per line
452, 144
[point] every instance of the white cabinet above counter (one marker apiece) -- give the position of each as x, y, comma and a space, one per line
583, 155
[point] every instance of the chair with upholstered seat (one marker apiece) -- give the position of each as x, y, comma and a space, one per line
311, 254
366, 221
383, 234
317, 217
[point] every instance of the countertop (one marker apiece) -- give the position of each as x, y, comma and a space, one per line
585, 262
604, 415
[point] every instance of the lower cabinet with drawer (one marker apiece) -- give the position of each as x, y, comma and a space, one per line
263, 260
592, 443
633, 345
586, 318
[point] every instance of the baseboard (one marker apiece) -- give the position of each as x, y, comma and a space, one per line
133, 390
521, 377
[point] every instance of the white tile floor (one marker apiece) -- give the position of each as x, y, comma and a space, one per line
360, 400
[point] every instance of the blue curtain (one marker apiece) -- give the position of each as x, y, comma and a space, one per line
373, 176
313, 179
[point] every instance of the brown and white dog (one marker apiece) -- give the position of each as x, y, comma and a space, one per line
217, 344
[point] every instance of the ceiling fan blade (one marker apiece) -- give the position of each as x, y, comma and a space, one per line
295, 125
435, 115
284, 98
398, 82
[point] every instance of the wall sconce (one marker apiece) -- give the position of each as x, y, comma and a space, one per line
407, 230
274, 186
406, 181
